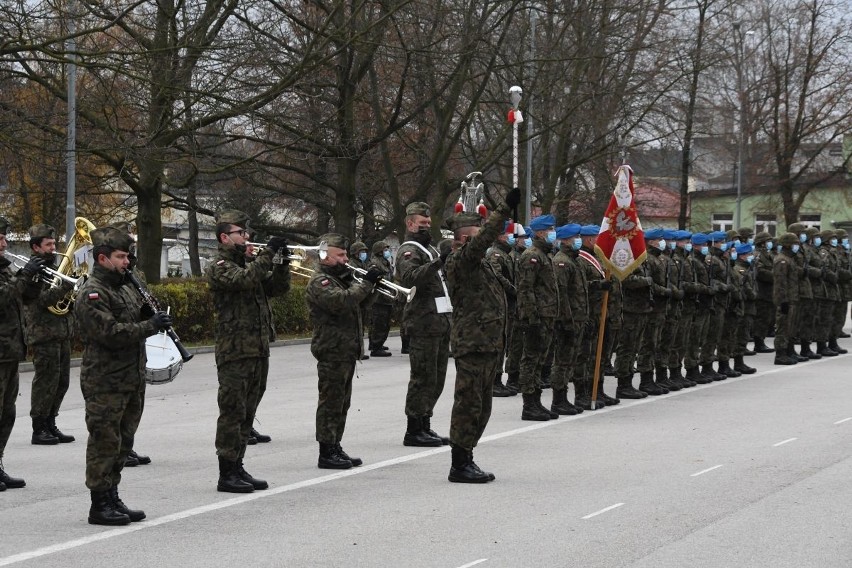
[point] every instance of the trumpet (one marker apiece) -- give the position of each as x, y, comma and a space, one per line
321, 249
386, 287
51, 276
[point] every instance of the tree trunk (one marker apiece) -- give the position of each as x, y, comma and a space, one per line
192, 218
150, 231
344, 207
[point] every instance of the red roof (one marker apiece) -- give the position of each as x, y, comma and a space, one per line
656, 201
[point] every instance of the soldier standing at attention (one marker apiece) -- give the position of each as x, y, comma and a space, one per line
701, 292
241, 285
479, 333
500, 257
799, 327
426, 321
844, 280
681, 310
831, 278
49, 335
13, 288
336, 301
515, 341
718, 271
382, 308
764, 306
786, 279
662, 290
744, 268
112, 371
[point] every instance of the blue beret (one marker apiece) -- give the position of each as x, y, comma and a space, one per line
700, 239
589, 230
717, 237
682, 235
744, 248
652, 234
542, 222
569, 230
670, 234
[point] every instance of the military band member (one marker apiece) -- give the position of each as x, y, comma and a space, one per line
241, 285
49, 336
786, 294
336, 301
112, 372
382, 306
14, 286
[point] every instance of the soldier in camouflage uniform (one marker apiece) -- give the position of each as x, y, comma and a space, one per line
701, 292
734, 311
500, 258
787, 280
824, 335
663, 291
112, 372
718, 271
808, 321
360, 258
479, 332
427, 323
241, 285
744, 270
382, 306
336, 301
14, 287
49, 335
572, 295
800, 325
681, 311
844, 277
515, 339
764, 306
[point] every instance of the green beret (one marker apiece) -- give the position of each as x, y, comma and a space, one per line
796, 228
464, 220
731, 235
788, 239
42, 231
811, 232
233, 217
745, 232
841, 233
335, 240
762, 237
379, 247
357, 247
125, 226
418, 208
4, 225
111, 237
827, 235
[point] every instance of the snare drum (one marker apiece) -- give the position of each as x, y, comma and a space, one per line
164, 360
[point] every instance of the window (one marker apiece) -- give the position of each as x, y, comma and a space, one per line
810, 220
766, 223
723, 221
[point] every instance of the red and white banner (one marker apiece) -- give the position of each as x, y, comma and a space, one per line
621, 241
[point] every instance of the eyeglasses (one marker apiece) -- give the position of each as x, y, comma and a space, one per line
240, 232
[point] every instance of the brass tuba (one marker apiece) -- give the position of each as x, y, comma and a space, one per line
73, 264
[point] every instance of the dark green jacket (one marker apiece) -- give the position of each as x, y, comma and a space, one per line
748, 288
538, 297
415, 268
43, 326
335, 305
573, 288
384, 264
787, 278
829, 272
763, 274
13, 287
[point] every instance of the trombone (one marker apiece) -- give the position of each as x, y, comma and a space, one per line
386, 287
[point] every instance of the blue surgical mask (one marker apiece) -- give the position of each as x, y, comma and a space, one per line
737, 242
551, 237
662, 244
833, 242
687, 247
705, 250
362, 256
769, 245
751, 241
817, 241
578, 242
511, 240
672, 245
528, 242
734, 255
387, 254
803, 238
750, 258
723, 246
844, 241
795, 249
846, 246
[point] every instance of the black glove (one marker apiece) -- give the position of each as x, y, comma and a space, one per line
277, 244
374, 274
34, 266
445, 253
785, 308
606, 285
161, 321
513, 198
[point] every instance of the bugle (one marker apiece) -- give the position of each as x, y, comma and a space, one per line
386, 287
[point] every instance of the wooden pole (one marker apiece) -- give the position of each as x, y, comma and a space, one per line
601, 330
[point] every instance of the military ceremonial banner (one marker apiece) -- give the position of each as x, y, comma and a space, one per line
621, 242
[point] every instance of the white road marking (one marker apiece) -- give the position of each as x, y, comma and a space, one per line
703, 471
602, 511
474, 563
844, 420
782, 442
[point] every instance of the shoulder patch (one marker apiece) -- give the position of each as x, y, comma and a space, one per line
407, 254
94, 296
561, 263
220, 263
325, 282
533, 260
497, 254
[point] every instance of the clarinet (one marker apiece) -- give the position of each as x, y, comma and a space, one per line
152, 303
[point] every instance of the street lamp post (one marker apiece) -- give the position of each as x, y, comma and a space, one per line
515, 94
740, 60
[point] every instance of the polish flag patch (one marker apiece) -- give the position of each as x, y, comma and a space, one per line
407, 254
220, 263
94, 296
325, 282
533, 261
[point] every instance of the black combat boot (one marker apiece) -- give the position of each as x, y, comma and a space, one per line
545, 376
10, 482
2, 486
647, 385
426, 421
725, 369
103, 512
491, 476
249, 478
41, 434
229, 478
52, 428
824, 350
694, 375
561, 405
415, 436
605, 398
512, 382
676, 375
791, 352
761, 347
355, 461
260, 438
782, 357
625, 389
532, 410
134, 515
708, 372
552, 414
330, 458
608, 369
739, 365
843, 335
462, 469
380, 353
406, 341
806, 351
499, 390
140, 459
664, 381
832, 344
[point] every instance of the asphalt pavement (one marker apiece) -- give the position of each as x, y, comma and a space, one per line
752, 471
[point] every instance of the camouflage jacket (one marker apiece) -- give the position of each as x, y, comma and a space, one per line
829, 273
13, 287
479, 298
748, 290
735, 291
538, 297
700, 289
786, 279
802, 269
241, 288
719, 273
384, 264
638, 296
573, 288
660, 272
500, 258
763, 274
43, 326
614, 305
686, 281
335, 304
109, 320
416, 268
815, 270
674, 273
594, 277
564, 270
844, 273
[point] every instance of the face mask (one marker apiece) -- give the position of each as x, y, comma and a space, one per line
795, 249
662, 244
803, 238
751, 241
846, 246
362, 256
737, 242
844, 241
578, 242
338, 270
723, 247
705, 249
423, 236
750, 258
387, 255
672, 245
833, 242
817, 241
687, 247
769, 245
551, 237
733, 255
528, 242
511, 240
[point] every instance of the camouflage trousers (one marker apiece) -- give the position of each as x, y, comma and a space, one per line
52, 365
536, 343
584, 368
763, 318
629, 340
785, 327
335, 395
744, 334
8, 397
472, 400
567, 338
728, 337
514, 346
112, 420
838, 318
241, 386
803, 324
697, 335
650, 344
380, 325
821, 329
668, 337
610, 344
677, 348
715, 327
429, 355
